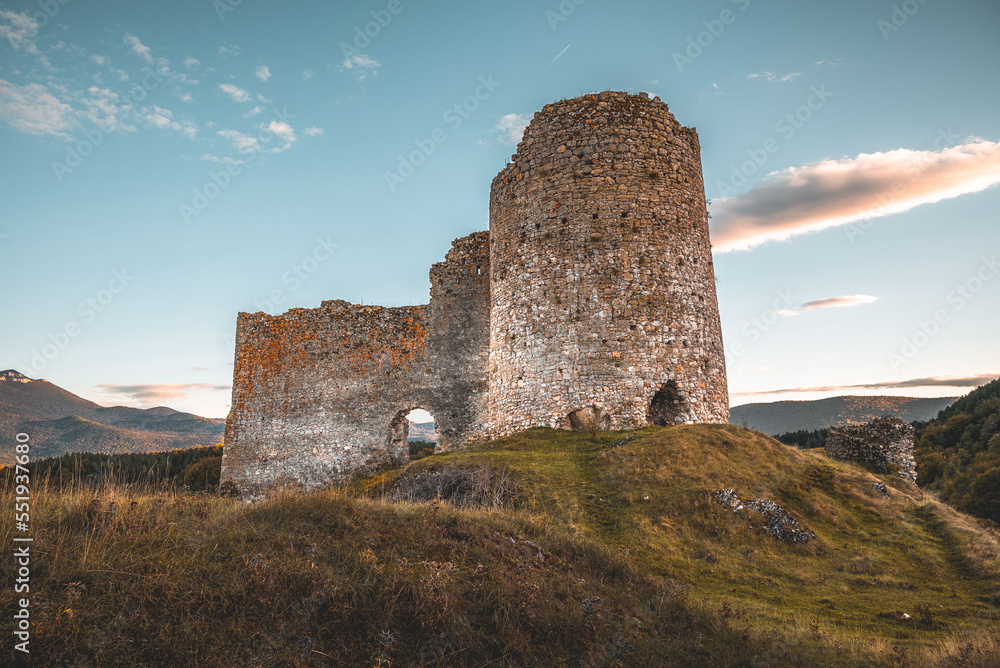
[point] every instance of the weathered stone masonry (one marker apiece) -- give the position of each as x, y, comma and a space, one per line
591, 299
322, 394
603, 287
884, 445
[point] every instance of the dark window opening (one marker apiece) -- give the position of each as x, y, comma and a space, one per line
667, 407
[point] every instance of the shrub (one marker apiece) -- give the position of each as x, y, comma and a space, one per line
203, 476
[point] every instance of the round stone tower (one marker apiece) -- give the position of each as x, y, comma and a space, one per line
603, 293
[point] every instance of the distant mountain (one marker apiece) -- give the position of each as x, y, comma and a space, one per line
780, 417
59, 422
424, 431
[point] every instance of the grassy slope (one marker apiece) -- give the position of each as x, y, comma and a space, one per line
872, 555
585, 571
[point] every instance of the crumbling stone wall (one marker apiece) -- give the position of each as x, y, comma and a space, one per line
321, 395
590, 301
603, 291
885, 445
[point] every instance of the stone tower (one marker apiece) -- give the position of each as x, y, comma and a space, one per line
603, 302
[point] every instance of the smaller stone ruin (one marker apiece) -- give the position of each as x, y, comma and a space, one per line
884, 445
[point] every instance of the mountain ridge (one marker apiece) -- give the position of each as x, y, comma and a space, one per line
780, 417
60, 422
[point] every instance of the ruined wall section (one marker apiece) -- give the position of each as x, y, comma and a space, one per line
458, 341
603, 290
320, 395
884, 445
311, 390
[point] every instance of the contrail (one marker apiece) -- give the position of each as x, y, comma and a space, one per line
556, 58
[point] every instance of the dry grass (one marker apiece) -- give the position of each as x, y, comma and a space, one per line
555, 548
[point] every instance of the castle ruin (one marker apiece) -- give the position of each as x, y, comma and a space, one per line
884, 445
590, 301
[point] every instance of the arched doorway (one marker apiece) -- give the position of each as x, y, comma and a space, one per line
667, 407
413, 434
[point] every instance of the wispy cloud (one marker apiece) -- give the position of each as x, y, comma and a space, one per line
282, 129
235, 92
138, 48
768, 75
307, 75
360, 64
158, 394
245, 143
829, 302
313, 132
241, 142
103, 107
191, 62
253, 112
19, 29
263, 73
831, 193
932, 381
33, 109
510, 128
161, 118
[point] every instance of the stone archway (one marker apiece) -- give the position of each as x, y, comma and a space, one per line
668, 407
401, 435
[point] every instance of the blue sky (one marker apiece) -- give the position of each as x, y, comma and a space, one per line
167, 165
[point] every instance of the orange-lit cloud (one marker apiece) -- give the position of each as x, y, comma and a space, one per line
157, 394
838, 192
829, 302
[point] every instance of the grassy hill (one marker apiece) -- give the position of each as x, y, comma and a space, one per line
547, 548
780, 417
